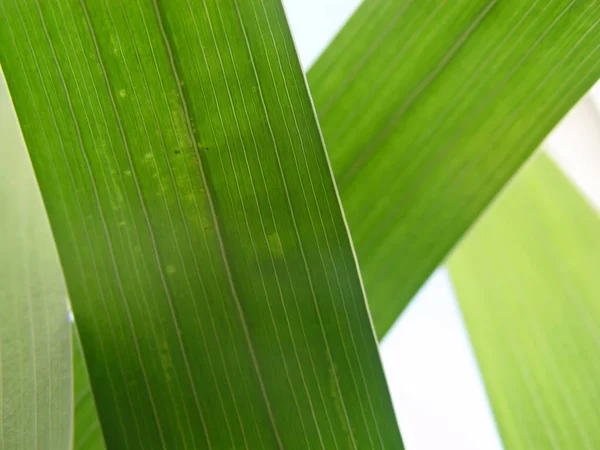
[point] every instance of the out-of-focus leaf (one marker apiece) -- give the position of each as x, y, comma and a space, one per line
35, 347
526, 278
428, 107
209, 267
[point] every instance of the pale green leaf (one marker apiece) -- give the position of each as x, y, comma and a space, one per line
35, 347
526, 278
208, 264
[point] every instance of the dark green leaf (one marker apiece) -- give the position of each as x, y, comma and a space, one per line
208, 263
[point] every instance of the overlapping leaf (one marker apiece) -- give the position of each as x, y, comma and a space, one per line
428, 108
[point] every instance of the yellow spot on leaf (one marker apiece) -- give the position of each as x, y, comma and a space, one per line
275, 245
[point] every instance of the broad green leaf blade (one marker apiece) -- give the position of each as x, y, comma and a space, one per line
428, 107
526, 278
35, 347
208, 263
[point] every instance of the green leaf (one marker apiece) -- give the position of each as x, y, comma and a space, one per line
35, 347
87, 431
428, 107
208, 263
526, 278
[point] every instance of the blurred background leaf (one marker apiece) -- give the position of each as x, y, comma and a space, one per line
35, 348
526, 280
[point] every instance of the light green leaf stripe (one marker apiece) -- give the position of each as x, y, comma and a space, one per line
35, 347
208, 263
526, 278
428, 107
